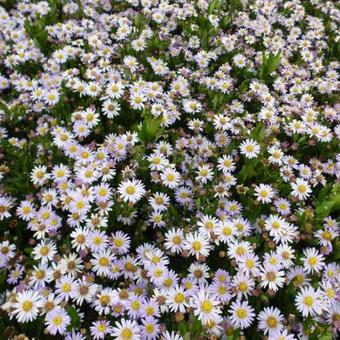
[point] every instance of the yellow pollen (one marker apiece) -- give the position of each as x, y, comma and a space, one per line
27, 306
206, 306
179, 298
308, 301
272, 322
241, 313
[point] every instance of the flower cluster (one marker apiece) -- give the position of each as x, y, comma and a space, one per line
169, 169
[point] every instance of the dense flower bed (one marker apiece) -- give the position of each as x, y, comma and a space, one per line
169, 169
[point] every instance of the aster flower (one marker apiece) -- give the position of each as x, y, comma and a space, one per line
57, 321
131, 191
309, 302
26, 307
241, 314
249, 148
126, 329
205, 306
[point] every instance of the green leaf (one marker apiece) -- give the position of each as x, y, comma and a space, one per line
75, 318
269, 64
273, 62
329, 204
151, 128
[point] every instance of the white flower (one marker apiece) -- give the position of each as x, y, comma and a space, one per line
197, 244
131, 190
270, 320
170, 178
250, 148
241, 314
309, 302
272, 278
301, 189
264, 193
27, 306
205, 306
126, 330
313, 261
176, 299
57, 320
174, 240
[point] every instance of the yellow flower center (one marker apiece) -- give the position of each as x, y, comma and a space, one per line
130, 190
196, 245
118, 242
44, 250
104, 261
179, 297
308, 301
176, 239
313, 261
241, 313
135, 305
206, 306
66, 288
242, 286
126, 334
272, 322
27, 306
57, 320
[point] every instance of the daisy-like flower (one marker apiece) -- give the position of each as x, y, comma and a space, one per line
157, 161
83, 291
171, 336
126, 330
283, 206
100, 329
243, 285
204, 174
205, 306
174, 240
170, 177
6, 204
44, 251
313, 261
39, 175
264, 193
131, 190
238, 250
208, 224
301, 189
249, 148
102, 262
275, 225
309, 302
282, 335
241, 314
120, 242
226, 231
226, 164
65, 287
159, 201
270, 320
197, 244
249, 264
150, 329
57, 321
272, 278
7, 250
104, 300
176, 299
26, 307
26, 210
